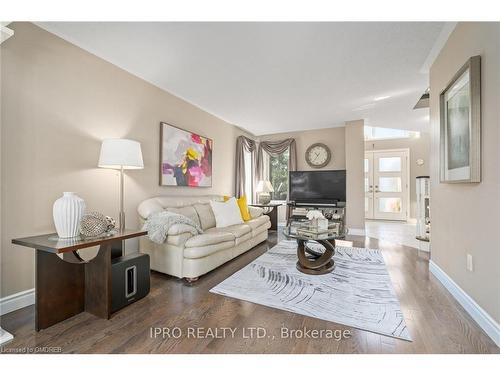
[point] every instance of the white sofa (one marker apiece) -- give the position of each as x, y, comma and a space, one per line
189, 256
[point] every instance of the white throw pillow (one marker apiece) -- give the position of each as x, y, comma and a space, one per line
226, 213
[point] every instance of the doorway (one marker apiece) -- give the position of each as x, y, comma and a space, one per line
387, 194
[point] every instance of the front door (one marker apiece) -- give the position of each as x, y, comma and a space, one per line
369, 185
386, 184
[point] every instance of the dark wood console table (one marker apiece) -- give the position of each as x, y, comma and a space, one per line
68, 286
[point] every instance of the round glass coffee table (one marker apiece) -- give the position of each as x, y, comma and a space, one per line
318, 260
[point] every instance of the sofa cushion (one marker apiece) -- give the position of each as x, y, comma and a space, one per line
203, 251
241, 232
187, 211
209, 239
160, 203
237, 230
206, 215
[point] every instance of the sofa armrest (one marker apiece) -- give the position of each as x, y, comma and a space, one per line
178, 234
178, 239
177, 229
255, 212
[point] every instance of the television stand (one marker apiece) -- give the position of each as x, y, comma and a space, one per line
334, 212
306, 204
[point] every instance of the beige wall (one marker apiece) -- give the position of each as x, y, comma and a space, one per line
334, 138
419, 149
58, 103
466, 217
1, 180
347, 146
354, 162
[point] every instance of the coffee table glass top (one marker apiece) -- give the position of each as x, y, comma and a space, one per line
291, 232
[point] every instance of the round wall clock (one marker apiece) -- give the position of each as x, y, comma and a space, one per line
318, 155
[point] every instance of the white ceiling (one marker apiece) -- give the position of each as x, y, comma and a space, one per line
275, 77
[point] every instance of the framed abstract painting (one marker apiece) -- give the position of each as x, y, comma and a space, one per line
185, 158
460, 128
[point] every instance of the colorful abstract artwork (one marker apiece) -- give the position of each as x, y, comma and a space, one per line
186, 158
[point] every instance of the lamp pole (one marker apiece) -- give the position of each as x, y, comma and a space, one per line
122, 211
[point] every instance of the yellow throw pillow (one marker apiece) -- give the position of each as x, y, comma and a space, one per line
242, 204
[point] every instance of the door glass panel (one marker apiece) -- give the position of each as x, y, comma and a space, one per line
391, 205
366, 184
392, 164
366, 204
389, 184
367, 166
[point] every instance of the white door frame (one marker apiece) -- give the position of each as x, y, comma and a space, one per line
368, 182
405, 184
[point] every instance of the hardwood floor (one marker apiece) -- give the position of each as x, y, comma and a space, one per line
437, 323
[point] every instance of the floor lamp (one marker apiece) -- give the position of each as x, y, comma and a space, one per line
121, 154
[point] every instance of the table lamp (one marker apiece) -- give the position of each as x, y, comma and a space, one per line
264, 187
121, 154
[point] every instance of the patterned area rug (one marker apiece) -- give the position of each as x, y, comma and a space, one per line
358, 293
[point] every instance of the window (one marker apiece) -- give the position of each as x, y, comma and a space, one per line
278, 175
373, 133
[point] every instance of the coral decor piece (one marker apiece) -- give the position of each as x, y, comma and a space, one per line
111, 222
94, 224
186, 158
314, 214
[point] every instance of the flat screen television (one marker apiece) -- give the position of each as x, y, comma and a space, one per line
325, 187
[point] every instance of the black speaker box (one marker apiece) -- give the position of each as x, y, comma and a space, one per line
130, 279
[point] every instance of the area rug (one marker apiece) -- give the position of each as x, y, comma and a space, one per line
358, 293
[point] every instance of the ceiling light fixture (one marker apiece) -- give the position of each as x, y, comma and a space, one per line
423, 102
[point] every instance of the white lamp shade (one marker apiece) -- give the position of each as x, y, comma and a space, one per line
117, 153
265, 187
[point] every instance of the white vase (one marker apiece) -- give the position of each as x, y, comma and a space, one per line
68, 211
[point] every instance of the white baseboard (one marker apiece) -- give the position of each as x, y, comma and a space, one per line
357, 231
485, 321
5, 336
17, 301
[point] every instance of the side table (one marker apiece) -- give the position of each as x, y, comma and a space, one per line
67, 286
